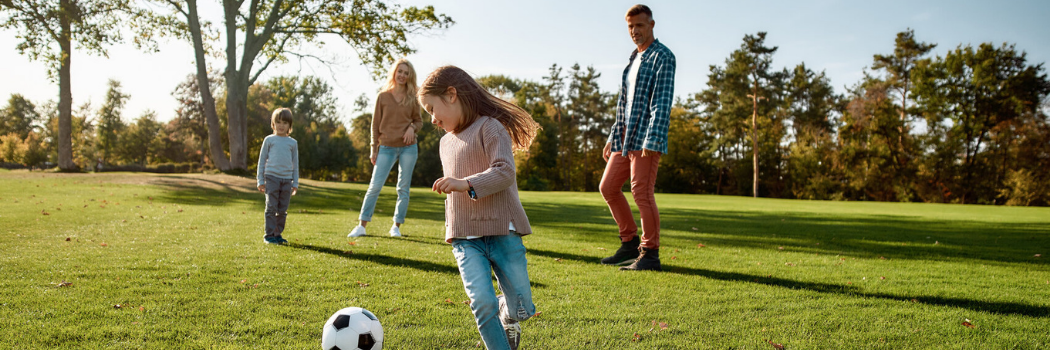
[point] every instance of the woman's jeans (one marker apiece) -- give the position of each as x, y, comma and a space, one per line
406, 160
505, 255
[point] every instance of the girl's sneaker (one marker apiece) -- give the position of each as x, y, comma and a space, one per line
395, 231
356, 232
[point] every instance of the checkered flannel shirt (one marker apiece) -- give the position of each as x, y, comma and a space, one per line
646, 124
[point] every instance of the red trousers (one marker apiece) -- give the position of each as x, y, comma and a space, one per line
642, 173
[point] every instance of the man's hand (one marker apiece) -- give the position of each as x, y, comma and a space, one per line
447, 185
262, 188
410, 136
607, 151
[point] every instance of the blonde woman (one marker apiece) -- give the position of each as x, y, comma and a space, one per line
395, 122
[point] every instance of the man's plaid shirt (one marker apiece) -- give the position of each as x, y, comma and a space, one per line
650, 115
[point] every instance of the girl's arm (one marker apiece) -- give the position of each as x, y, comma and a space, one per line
500, 175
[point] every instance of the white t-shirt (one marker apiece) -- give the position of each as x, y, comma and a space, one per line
632, 79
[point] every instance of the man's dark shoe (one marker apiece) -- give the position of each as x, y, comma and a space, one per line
648, 260
626, 254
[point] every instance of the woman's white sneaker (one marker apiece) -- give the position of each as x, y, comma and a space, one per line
356, 232
395, 231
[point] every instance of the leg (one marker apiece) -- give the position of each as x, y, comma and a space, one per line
511, 268
617, 170
643, 184
406, 163
476, 270
384, 162
284, 197
273, 189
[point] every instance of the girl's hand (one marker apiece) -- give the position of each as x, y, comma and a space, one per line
373, 159
295, 190
446, 185
262, 188
410, 136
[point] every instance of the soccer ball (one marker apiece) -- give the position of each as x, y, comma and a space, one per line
352, 328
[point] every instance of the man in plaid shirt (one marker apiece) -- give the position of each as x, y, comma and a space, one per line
637, 140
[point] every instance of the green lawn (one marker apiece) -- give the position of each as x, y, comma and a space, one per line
138, 261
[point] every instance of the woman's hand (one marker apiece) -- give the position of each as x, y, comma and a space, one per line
447, 185
373, 159
410, 136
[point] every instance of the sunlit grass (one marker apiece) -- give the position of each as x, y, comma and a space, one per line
177, 261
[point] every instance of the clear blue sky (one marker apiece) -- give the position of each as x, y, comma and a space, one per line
522, 39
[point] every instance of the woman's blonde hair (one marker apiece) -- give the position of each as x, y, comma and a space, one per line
284, 115
477, 101
410, 83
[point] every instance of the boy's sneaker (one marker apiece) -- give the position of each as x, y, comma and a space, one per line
395, 231
356, 232
281, 240
271, 240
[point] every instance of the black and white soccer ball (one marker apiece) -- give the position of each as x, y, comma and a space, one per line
352, 328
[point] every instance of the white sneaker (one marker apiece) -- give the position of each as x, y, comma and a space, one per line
356, 232
395, 231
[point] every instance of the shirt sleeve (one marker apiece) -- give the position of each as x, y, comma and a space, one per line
500, 174
377, 121
263, 154
660, 107
295, 164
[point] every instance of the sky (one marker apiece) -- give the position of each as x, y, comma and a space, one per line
522, 39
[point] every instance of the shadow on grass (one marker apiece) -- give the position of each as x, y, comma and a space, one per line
971, 304
380, 259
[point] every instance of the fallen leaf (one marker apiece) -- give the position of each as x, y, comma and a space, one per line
64, 284
348, 252
601, 248
674, 257
117, 306
1038, 255
104, 244
557, 259
968, 324
775, 345
663, 325
448, 301
700, 245
780, 248
67, 239
882, 277
789, 264
44, 212
351, 243
936, 242
361, 284
180, 210
882, 258
142, 308
242, 281
636, 337
695, 229
849, 282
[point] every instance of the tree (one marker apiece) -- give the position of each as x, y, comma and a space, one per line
139, 143
980, 92
592, 113
110, 123
812, 104
266, 32
898, 67
42, 25
18, 117
189, 114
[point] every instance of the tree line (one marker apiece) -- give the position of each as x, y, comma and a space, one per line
966, 127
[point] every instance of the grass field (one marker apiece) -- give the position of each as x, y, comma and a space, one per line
137, 261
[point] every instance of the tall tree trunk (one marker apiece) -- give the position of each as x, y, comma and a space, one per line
218, 157
65, 92
237, 123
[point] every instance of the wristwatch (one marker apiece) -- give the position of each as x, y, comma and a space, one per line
470, 191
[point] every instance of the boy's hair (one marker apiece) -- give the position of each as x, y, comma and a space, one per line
284, 115
637, 9
477, 101
410, 83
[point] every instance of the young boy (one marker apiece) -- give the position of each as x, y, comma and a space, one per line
278, 174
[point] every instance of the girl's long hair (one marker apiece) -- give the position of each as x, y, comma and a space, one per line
410, 83
477, 101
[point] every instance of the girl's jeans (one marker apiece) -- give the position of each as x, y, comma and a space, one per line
278, 194
477, 259
406, 160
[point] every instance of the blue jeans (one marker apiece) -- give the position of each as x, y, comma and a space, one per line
477, 259
406, 160
278, 194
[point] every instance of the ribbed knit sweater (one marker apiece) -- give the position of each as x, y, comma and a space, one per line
390, 121
482, 154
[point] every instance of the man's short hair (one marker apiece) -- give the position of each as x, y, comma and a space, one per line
636, 9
